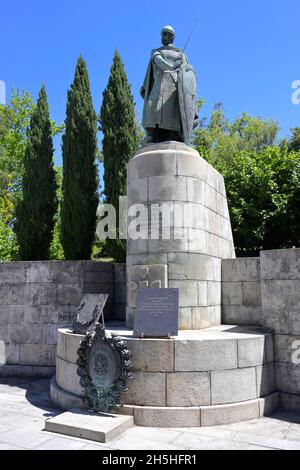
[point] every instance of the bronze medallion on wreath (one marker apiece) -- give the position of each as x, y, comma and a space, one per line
104, 364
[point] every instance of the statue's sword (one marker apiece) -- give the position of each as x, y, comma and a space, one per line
190, 35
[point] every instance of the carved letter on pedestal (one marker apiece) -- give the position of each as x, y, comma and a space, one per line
141, 276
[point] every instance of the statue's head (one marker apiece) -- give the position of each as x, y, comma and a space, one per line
167, 35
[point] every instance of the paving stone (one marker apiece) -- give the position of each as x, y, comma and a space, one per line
191, 441
95, 447
251, 438
23, 439
58, 443
154, 434
125, 443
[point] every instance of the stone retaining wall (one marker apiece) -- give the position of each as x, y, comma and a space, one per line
266, 291
280, 281
36, 298
241, 292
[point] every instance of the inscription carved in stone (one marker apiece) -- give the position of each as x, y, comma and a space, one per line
153, 276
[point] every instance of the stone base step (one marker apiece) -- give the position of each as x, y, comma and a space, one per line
63, 399
189, 416
202, 416
21, 370
100, 427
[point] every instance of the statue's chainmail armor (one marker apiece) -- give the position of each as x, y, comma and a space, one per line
162, 108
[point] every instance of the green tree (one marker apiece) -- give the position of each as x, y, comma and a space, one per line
262, 180
219, 138
14, 122
80, 183
294, 140
36, 211
56, 249
120, 142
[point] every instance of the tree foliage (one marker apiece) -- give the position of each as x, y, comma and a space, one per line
14, 122
36, 211
80, 183
120, 141
56, 249
262, 180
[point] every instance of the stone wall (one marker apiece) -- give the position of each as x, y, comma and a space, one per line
241, 292
266, 291
36, 298
280, 279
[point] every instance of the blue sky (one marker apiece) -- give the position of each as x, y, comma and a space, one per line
246, 54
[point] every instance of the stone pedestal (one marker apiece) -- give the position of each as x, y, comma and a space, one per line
174, 177
200, 378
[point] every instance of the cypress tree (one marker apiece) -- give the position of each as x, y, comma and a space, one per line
120, 141
36, 211
80, 182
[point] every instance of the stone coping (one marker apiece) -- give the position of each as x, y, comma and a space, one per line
220, 332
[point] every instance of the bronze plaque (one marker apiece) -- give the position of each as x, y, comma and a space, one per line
104, 364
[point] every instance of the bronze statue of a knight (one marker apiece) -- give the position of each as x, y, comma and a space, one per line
169, 93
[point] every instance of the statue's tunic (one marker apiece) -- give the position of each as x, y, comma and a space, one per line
161, 108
